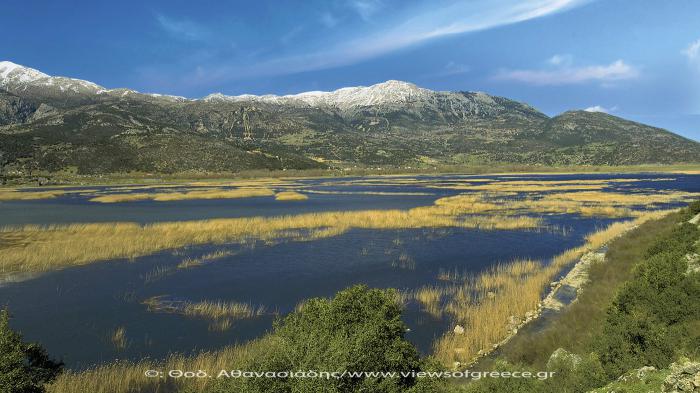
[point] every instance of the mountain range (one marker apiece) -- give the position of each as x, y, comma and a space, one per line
59, 124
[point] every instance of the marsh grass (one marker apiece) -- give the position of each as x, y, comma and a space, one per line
519, 186
584, 203
220, 325
215, 193
404, 261
33, 248
128, 377
381, 193
118, 338
619, 198
189, 263
215, 310
504, 186
158, 273
430, 299
17, 195
219, 309
290, 196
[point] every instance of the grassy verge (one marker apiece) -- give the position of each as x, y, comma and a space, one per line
635, 324
583, 319
484, 305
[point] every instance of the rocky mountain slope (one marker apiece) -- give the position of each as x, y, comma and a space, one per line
57, 124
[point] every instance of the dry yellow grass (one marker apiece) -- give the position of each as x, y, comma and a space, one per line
17, 195
518, 288
128, 377
33, 248
290, 196
497, 185
384, 193
178, 196
622, 199
205, 309
188, 263
505, 186
430, 299
484, 305
219, 309
118, 338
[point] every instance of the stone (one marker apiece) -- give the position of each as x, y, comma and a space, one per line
458, 329
561, 355
683, 378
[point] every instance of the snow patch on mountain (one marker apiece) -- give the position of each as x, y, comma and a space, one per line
11, 72
388, 92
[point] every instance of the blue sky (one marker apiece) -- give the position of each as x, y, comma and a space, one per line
638, 59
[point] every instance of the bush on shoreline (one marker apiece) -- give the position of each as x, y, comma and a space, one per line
24, 367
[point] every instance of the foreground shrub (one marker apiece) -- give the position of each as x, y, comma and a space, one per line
24, 368
359, 330
651, 320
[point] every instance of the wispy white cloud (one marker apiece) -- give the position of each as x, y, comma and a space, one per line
568, 74
426, 23
366, 9
450, 69
598, 108
692, 52
182, 28
561, 60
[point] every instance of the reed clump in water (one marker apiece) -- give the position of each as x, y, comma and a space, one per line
430, 299
16, 195
205, 309
189, 263
219, 309
158, 273
290, 196
118, 338
215, 193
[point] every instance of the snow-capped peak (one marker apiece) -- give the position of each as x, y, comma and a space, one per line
16, 78
391, 91
16, 72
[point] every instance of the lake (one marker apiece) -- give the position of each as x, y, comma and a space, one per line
73, 312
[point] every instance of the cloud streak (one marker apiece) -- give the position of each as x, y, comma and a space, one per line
692, 52
425, 24
567, 75
181, 28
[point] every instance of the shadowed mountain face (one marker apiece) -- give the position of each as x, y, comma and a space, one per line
56, 123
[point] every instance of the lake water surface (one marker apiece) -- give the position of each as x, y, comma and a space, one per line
73, 312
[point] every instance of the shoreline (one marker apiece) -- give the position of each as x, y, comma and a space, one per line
60, 179
575, 279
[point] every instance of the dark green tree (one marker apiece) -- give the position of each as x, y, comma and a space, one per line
359, 330
24, 367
